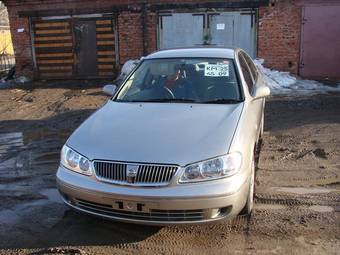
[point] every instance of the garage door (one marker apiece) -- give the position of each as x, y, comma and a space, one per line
74, 47
233, 29
226, 29
320, 42
180, 30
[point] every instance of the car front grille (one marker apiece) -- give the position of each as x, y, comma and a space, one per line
145, 175
153, 215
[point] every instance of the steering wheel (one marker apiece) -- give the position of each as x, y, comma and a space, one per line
168, 93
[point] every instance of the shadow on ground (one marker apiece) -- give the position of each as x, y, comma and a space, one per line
72, 84
290, 112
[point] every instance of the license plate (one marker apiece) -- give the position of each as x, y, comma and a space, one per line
134, 206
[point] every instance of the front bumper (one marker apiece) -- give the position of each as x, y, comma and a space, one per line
173, 204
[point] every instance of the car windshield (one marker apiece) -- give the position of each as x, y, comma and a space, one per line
182, 80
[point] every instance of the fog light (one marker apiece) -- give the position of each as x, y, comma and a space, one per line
214, 213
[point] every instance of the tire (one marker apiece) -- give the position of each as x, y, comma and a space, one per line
250, 198
261, 127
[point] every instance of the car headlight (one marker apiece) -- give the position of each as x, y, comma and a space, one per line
74, 161
212, 169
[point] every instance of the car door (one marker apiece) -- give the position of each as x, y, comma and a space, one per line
251, 76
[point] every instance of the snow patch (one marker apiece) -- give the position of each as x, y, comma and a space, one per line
282, 83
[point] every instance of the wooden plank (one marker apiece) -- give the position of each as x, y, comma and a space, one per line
105, 47
53, 31
104, 29
100, 36
53, 45
48, 74
105, 73
105, 66
105, 42
105, 53
52, 55
55, 67
102, 22
112, 60
51, 24
53, 38
55, 61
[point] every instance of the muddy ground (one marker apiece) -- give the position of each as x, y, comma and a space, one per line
297, 194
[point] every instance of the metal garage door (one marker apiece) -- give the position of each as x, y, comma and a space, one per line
233, 29
320, 42
180, 30
70, 47
228, 29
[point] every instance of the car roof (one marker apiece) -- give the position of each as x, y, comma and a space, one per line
195, 52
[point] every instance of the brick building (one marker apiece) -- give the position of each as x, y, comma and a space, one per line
93, 38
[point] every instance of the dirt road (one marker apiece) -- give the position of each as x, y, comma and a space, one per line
297, 194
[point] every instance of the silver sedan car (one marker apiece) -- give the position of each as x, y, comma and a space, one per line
175, 144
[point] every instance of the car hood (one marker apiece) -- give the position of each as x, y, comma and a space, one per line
164, 133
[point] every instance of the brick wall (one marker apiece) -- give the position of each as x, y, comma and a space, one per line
21, 44
151, 32
130, 36
279, 31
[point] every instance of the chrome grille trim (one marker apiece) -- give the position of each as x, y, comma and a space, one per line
152, 215
147, 175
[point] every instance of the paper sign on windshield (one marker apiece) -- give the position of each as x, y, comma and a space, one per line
216, 70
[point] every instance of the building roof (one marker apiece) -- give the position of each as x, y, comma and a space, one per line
197, 52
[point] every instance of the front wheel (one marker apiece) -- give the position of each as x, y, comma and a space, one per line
261, 127
250, 199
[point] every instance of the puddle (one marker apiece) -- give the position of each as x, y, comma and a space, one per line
9, 163
302, 191
41, 135
8, 217
52, 195
10, 141
11, 137
47, 158
15, 214
321, 208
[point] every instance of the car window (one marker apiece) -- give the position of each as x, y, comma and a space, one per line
198, 80
251, 65
246, 73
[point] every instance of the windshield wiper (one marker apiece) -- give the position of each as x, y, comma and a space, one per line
222, 101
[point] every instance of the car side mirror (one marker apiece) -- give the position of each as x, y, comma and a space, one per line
110, 89
261, 92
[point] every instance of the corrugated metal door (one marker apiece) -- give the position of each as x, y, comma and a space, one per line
228, 29
221, 27
233, 29
74, 47
320, 43
180, 30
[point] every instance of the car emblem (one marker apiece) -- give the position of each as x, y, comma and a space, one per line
131, 172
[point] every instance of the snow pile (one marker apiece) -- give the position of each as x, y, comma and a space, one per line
129, 66
126, 70
282, 83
